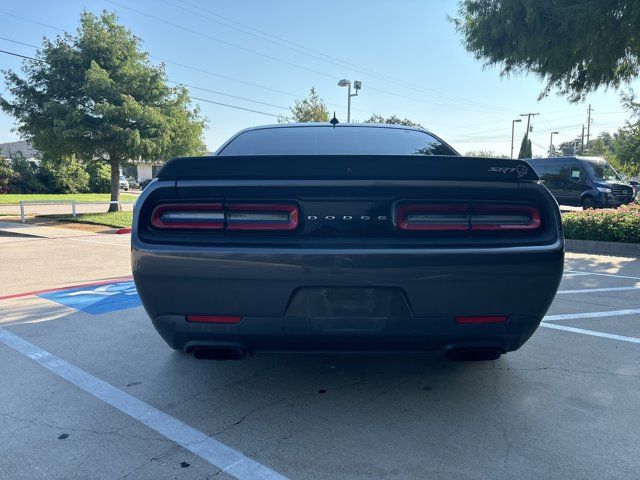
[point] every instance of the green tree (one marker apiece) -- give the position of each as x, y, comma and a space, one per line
310, 109
392, 120
95, 96
485, 154
525, 148
576, 46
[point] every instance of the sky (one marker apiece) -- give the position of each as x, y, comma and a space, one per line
257, 57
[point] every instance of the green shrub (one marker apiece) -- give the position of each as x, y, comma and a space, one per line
63, 175
610, 225
99, 177
26, 178
6, 174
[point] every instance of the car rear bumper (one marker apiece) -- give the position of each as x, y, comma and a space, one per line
259, 284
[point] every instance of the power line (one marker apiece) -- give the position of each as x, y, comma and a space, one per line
237, 107
261, 34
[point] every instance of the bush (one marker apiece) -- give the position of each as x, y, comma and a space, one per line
610, 225
6, 174
26, 178
99, 177
63, 175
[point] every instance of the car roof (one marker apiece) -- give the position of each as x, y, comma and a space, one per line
338, 125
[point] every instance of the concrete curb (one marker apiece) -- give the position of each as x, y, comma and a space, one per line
603, 248
120, 231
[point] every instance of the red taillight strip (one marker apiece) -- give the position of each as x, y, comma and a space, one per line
477, 211
437, 217
483, 319
213, 319
191, 214
256, 216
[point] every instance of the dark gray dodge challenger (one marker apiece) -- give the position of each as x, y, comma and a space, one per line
346, 238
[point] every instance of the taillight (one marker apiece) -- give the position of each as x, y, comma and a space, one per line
436, 217
433, 217
209, 216
504, 217
260, 216
231, 216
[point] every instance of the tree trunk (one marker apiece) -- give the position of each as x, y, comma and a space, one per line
115, 185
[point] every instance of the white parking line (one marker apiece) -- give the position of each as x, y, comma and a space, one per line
578, 272
216, 453
573, 316
593, 333
609, 289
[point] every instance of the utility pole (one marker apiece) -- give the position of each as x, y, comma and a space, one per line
589, 110
551, 143
582, 141
513, 123
528, 115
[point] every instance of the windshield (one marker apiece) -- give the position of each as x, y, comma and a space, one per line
343, 140
600, 170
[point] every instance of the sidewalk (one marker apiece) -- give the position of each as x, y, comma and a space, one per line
16, 228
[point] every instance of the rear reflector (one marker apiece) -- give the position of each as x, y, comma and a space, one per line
232, 216
433, 217
213, 319
489, 319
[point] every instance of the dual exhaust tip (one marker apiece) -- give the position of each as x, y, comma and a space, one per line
238, 353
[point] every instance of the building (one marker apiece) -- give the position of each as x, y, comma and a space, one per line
11, 148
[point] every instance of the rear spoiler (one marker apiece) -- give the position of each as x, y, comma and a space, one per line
327, 167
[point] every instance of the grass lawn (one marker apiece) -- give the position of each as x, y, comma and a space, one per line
14, 199
108, 219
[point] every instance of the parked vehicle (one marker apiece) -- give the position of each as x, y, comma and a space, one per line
310, 237
589, 182
124, 183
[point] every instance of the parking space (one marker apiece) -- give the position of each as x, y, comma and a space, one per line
91, 391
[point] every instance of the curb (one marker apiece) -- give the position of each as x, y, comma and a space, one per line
120, 231
603, 248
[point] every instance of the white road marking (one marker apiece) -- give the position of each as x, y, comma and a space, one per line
609, 289
573, 316
593, 333
216, 453
577, 272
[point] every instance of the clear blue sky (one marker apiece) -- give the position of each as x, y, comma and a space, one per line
434, 80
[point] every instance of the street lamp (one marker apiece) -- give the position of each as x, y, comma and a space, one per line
513, 124
357, 85
551, 143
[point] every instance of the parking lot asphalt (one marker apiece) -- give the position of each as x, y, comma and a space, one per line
89, 390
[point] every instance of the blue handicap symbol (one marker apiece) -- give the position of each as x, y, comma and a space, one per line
97, 299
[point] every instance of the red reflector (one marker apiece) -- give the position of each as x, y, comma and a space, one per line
261, 216
209, 216
213, 319
490, 319
432, 217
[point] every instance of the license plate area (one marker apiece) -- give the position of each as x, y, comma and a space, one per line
348, 302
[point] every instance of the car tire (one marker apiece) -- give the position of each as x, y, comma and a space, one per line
588, 203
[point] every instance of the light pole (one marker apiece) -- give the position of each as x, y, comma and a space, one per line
357, 85
513, 126
551, 143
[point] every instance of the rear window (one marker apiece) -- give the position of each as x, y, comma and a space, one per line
336, 141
